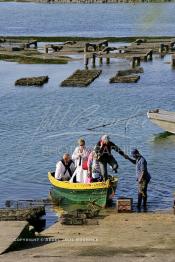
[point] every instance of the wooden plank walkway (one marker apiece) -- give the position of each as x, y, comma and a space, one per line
81, 78
137, 51
132, 56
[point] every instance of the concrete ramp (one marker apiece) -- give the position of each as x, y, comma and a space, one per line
9, 232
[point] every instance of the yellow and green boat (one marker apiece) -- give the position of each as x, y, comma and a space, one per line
98, 192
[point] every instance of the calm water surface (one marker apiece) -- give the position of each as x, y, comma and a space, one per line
37, 125
87, 20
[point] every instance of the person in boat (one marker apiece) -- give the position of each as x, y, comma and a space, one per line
94, 171
64, 168
80, 157
103, 150
142, 176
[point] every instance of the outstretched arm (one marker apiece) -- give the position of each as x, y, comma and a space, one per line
119, 150
132, 160
122, 153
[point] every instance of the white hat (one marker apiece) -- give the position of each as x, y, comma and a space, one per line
105, 138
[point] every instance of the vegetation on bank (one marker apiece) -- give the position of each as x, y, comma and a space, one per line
32, 56
86, 39
22, 59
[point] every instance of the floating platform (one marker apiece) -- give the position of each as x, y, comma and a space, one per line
124, 79
32, 81
127, 76
81, 78
137, 70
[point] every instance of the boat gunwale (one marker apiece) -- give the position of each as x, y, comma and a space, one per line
162, 115
80, 186
161, 120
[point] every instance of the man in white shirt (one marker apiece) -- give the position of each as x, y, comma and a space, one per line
64, 168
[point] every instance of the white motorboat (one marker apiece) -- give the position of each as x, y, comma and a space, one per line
162, 118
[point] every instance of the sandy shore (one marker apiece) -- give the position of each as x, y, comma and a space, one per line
118, 237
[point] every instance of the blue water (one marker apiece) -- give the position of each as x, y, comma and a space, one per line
37, 125
87, 20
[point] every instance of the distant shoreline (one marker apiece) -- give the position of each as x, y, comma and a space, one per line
77, 38
89, 1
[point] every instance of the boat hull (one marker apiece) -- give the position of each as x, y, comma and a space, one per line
163, 119
98, 193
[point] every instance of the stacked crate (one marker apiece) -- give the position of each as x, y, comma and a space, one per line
124, 205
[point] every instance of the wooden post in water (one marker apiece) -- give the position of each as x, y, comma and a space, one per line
93, 59
108, 60
161, 48
86, 60
166, 48
145, 58
138, 61
151, 55
172, 45
135, 61
106, 43
173, 60
46, 49
100, 60
86, 47
35, 44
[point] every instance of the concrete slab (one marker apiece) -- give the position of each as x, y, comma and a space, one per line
9, 232
119, 231
124, 237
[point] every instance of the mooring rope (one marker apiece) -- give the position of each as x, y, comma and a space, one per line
119, 120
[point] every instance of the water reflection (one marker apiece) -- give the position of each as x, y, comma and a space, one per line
164, 137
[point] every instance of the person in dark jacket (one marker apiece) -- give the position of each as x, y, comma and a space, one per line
103, 150
142, 176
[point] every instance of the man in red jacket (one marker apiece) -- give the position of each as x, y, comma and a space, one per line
103, 149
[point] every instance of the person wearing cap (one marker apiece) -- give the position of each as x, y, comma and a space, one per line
143, 177
103, 150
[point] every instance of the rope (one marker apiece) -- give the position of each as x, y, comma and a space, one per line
114, 122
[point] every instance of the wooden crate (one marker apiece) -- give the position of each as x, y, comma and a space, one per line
124, 205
